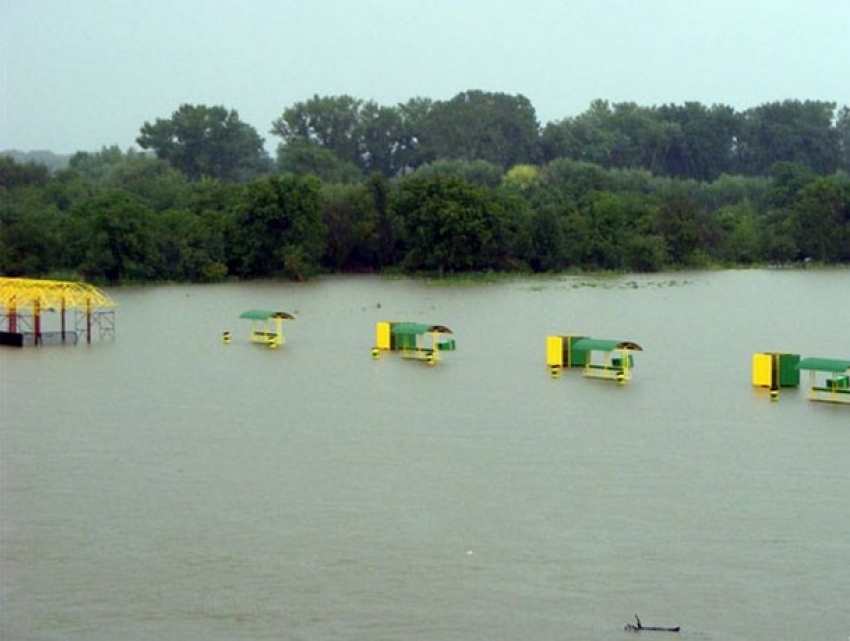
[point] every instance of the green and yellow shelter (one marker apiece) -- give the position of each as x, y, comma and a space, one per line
597, 357
829, 379
415, 341
266, 326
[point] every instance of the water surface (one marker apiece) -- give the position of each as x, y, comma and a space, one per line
168, 486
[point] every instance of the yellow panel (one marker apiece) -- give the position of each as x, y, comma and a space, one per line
555, 351
382, 335
762, 370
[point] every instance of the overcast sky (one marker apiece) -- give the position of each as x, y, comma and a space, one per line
83, 74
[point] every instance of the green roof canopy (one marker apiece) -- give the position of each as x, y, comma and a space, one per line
418, 328
604, 345
264, 315
825, 365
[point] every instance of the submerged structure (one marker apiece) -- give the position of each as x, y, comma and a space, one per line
266, 327
774, 370
597, 357
38, 312
829, 379
416, 341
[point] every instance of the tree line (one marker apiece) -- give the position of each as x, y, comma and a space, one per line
344, 139
469, 184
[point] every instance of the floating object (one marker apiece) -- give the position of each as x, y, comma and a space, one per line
630, 627
267, 326
598, 357
561, 353
416, 341
24, 301
829, 379
225, 338
774, 370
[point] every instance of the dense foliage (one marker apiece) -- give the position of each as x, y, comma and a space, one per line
469, 184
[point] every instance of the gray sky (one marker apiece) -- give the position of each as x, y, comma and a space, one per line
83, 74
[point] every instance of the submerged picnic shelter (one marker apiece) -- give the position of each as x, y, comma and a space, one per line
27, 308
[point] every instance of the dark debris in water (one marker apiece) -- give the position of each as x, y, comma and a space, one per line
639, 627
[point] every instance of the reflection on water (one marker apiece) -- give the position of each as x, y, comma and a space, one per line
169, 486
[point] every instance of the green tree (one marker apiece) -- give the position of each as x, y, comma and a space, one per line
570, 180
68, 187
280, 232
305, 158
215, 204
618, 232
98, 165
156, 182
645, 252
413, 114
356, 133
111, 238
451, 226
28, 221
729, 190
623, 135
546, 241
478, 125
379, 189
820, 220
331, 123
186, 247
30, 233
588, 137
351, 228
642, 138
631, 181
743, 241
207, 141
522, 178
842, 128
384, 139
704, 149
787, 181
789, 131
14, 175
474, 172
683, 223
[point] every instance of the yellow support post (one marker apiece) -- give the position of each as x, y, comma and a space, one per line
555, 351
555, 355
382, 335
762, 370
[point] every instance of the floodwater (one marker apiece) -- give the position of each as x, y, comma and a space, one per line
168, 486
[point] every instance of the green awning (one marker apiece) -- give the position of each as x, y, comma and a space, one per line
836, 365
604, 345
264, 315
410, 329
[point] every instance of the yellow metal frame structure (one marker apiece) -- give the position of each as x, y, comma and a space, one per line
823, 387
428, 353
268, 332
615, 366
25, 300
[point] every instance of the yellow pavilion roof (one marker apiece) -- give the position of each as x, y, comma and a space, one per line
19, 293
